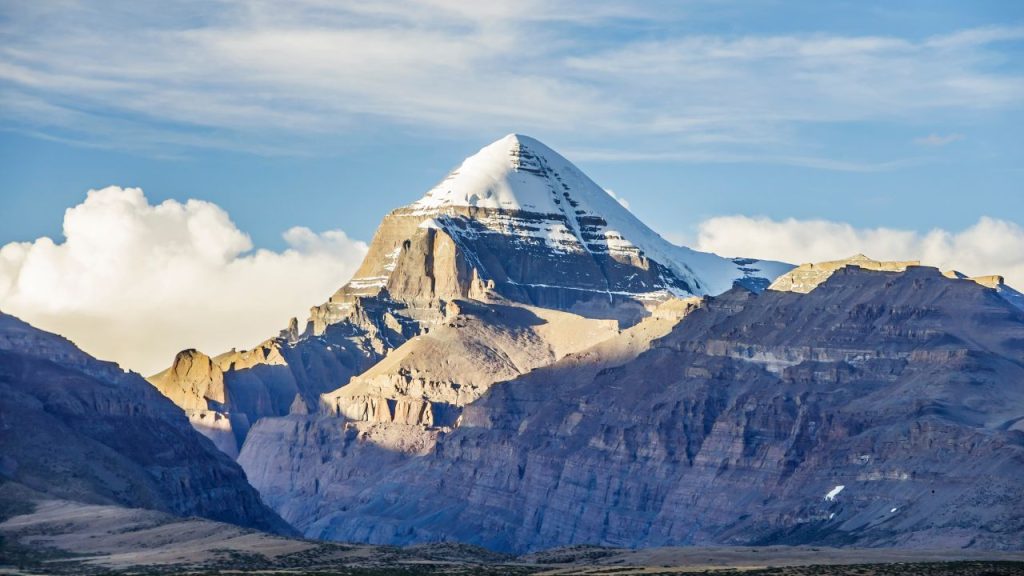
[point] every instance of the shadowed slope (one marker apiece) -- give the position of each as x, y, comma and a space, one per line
80, 429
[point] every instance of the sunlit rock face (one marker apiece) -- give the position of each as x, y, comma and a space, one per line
514, 225
75, 428
879, 409
807, 277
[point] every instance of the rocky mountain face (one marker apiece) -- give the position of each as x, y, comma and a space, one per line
310, 467
877, 409
427, 381
75, 428
514, 226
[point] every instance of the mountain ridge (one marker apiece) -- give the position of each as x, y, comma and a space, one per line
843, 416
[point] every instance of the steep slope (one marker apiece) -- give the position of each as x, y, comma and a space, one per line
427, 381
515, 224
76, 428
879, 409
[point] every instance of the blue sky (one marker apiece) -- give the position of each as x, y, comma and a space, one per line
328, 115
243, 152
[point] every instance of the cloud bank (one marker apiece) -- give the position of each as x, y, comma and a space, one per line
135, 283
990, 246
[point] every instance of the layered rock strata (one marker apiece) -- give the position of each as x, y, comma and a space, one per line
879, 409
807, 277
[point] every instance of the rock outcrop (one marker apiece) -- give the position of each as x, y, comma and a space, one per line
75, 428
807, 277
879, 409
427, 380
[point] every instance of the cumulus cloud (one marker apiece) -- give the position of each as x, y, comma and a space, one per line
135, 282
990, 246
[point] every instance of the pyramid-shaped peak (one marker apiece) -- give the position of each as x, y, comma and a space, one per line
515, 172
515, 152
513, 142
518, 196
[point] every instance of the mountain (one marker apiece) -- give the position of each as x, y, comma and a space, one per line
876, 408
515, 226
520, 221
519, 363
75, 428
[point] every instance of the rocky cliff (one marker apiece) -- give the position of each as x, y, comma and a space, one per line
75, 428
308, 467
428, 380
807, 277
878, 409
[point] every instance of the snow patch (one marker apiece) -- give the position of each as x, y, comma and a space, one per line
831, 496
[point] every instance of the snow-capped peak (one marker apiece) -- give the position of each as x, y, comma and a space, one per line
512, 173
518, 173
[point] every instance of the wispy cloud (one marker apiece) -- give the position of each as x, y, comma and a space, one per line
274, 77
938, 139
725, 157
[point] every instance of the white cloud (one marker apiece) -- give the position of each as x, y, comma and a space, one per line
990, 246
135, 283
270, 77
